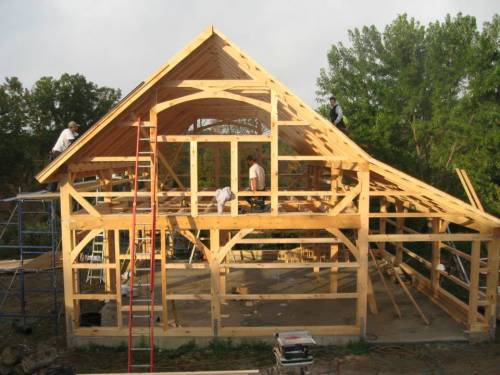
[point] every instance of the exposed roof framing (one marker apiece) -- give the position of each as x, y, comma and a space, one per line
213, 78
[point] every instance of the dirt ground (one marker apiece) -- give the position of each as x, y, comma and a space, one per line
355, 358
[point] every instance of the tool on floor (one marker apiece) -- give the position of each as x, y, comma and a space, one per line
292, 351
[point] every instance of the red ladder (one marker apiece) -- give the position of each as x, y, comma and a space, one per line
142, 253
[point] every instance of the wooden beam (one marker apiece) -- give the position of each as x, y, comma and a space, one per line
274, 153
234, 177
469, 189
81, 245
82, 201
436, 258
346, 241
116, 159
287, 296
474, 282
194, 177
225, 84
362, 242
225, 222
196, 241
233, 241
315, 158
214, 138
430, 237
346, 200
215, 281
294, 265
492, 285
293, 123
67, 246
403, 285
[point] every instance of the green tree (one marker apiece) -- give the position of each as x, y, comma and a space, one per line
424, 98
30, 121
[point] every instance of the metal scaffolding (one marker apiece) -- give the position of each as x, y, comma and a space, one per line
33, 226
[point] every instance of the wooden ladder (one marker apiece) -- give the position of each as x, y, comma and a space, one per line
142, 253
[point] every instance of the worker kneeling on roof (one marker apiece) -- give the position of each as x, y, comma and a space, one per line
66, 138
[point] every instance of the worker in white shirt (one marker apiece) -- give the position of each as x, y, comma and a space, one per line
257, 182
66, 138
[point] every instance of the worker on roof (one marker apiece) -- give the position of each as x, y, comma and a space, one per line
66, 138
257, 182
336, 115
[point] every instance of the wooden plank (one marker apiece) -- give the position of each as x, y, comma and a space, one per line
474, 282
226, 222
67, 246
403, 285
274, 153
430, 237
225, 84
316, 240
94, 296
293, 123
314, 158
348, 330
234, 177
189, 297
492, 285
163, 252
214, 138
194, 177
118, 278
294, 265
82, 201
201, 246
215, 281
436, 258
362, 242
349, 197
233, 241
469, 189
115, 159
287, 296
384, 283
346, 241
81, 245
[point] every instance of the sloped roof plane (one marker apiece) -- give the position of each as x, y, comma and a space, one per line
211, 56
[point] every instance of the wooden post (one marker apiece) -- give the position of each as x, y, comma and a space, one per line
67, 246
474, 282
436, 258
217, 167
334, 181
105, 254
382, 222
492, 285
194, 177
362, 275
274, 153
400, 223
234, 177
334, 271
215, 281
118, 276
163, 251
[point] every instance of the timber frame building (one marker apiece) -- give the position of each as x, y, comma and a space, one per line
322, 187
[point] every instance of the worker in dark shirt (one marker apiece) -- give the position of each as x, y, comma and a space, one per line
336, 115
